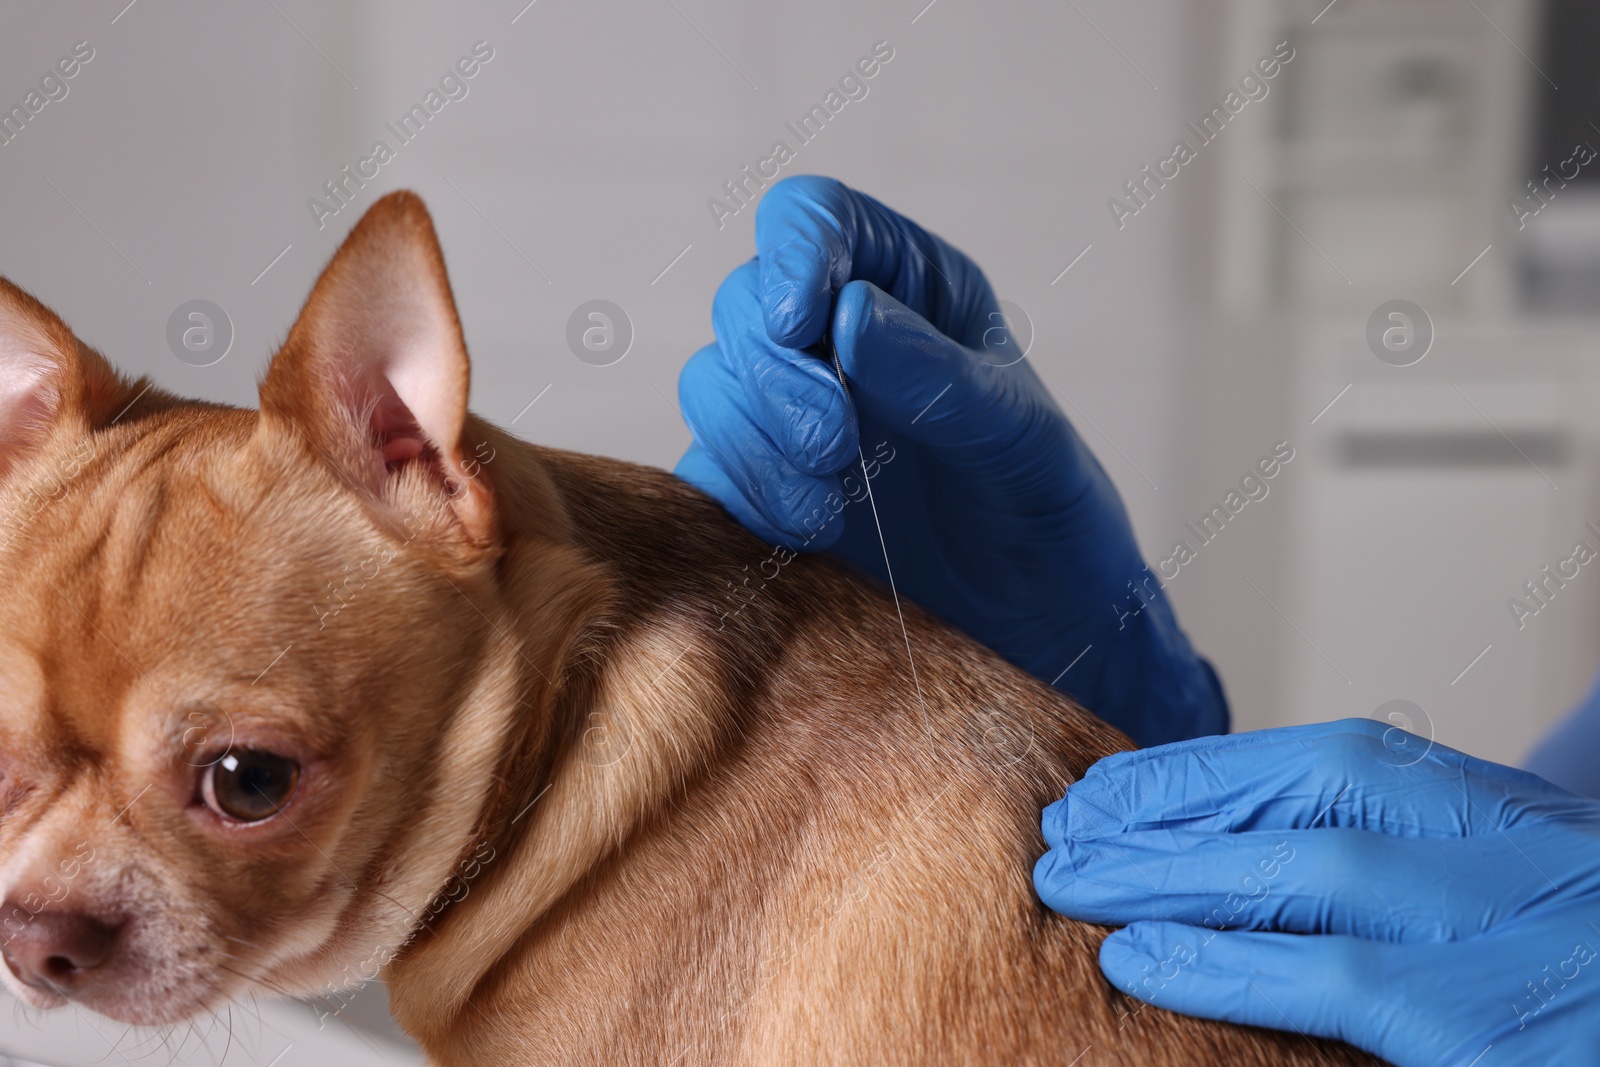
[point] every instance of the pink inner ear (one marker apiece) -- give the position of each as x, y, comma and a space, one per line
378, 353
396, 343
28, 394
425, 368
398, 450
400, 439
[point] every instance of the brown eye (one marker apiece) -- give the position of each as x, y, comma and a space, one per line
250, 785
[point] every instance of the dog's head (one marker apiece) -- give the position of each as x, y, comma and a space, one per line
238, 649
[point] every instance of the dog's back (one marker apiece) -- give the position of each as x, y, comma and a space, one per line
845, 876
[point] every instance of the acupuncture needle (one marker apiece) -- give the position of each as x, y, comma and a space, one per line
832, 354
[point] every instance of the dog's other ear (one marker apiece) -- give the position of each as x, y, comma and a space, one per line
374, 374
50, 382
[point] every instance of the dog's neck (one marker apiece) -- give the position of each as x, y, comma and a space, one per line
588, 747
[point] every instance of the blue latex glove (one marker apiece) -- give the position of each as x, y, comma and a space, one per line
1570, 755
995, 514
1458, 901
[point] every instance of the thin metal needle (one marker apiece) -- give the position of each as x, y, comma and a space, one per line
905, 634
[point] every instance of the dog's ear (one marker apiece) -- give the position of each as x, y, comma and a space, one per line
374, 374
50, 382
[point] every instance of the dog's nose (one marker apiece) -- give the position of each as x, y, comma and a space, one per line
55, 950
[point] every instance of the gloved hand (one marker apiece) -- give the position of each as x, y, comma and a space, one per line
994, 513
1455, 902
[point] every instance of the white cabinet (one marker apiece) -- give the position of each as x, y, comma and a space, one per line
1427, 497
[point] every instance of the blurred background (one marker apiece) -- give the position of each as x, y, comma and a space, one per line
1426, 159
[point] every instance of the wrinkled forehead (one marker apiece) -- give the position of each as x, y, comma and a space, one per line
99, 515
76, 475
160, 564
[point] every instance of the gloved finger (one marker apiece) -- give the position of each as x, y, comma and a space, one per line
815, 234
1348, 774
1350, 882
1343, 988
790, 504
791, 394
914, 379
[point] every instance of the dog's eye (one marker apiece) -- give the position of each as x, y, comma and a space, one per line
250, 785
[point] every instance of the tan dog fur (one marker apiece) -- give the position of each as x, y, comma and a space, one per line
571, 800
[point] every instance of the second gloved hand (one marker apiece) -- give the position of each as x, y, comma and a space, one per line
1346, 880
994, 513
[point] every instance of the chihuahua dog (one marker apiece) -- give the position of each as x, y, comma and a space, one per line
358, 686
